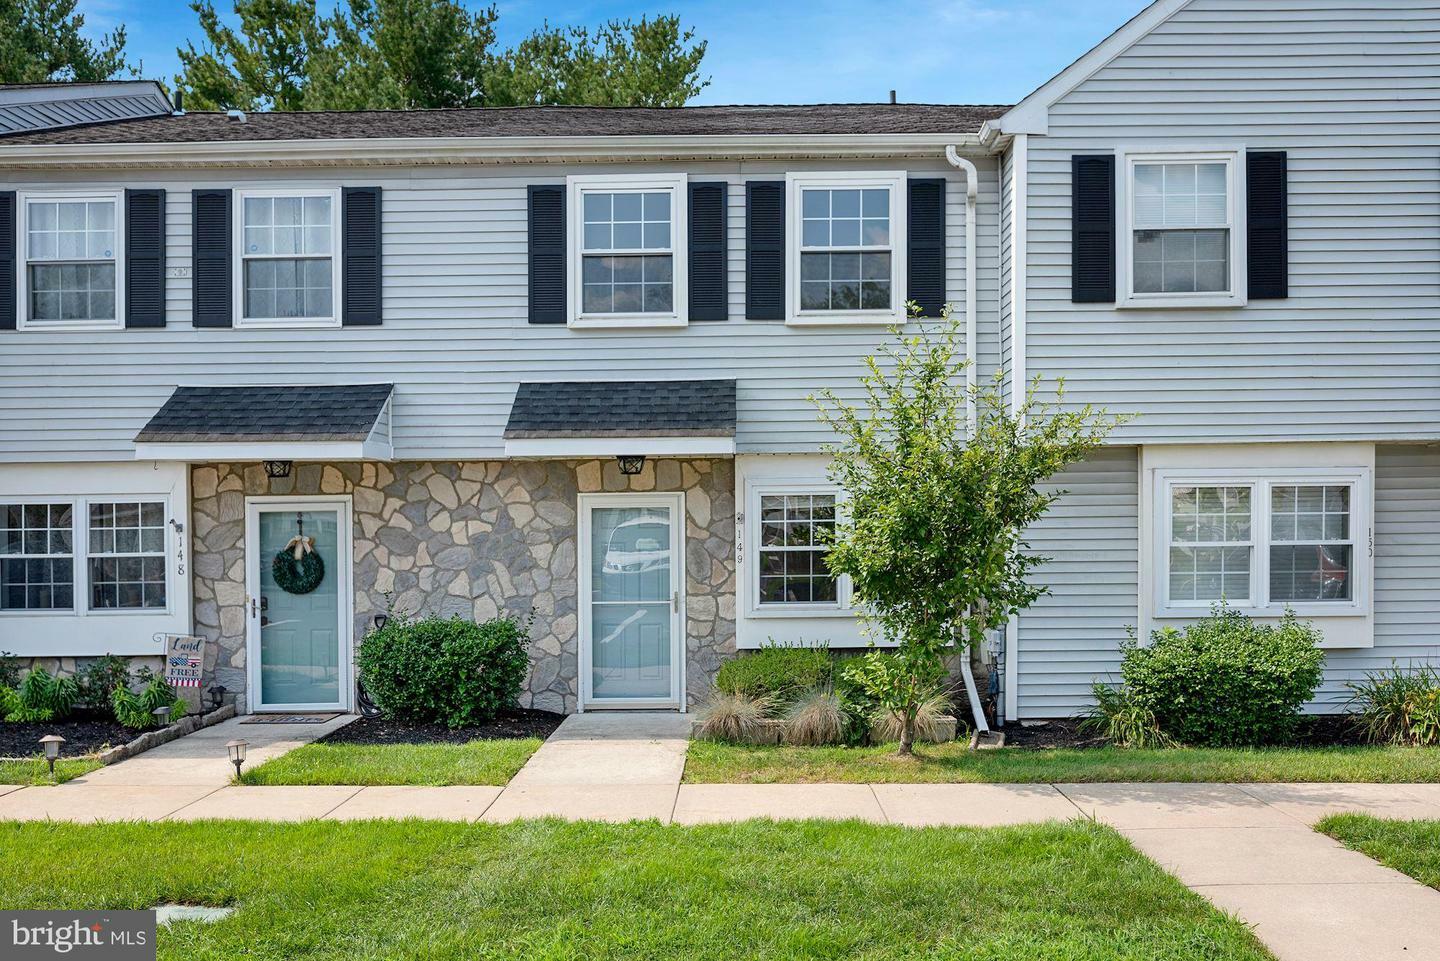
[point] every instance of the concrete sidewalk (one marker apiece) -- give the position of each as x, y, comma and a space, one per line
1248, 848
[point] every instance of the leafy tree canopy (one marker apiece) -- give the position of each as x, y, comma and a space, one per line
40, 41
395, 54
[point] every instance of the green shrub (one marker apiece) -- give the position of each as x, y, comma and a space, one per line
444, 670
41, 697
137, 711
1118, 718
777, 672
1399, 706
98, 680
9, 670
1225, 680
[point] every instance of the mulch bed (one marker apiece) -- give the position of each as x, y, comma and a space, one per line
83, 734
1325, 730
514, 723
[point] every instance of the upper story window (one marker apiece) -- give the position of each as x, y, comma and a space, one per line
72, 252
1184, 238
847, 259
628, 251
1263, 541
289, 269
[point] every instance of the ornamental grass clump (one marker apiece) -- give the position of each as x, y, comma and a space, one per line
817, 718
1225, 681
734, 717
1399, 705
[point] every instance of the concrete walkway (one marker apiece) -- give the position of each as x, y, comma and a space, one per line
1248, 848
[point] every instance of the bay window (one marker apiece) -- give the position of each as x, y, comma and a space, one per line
71, 245
627, 238
1263, 541
846, 247
289, 266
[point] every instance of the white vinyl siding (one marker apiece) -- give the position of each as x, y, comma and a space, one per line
1348, 91
455, 341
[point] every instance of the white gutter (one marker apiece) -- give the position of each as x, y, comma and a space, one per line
417, 151
972, 180
972, 189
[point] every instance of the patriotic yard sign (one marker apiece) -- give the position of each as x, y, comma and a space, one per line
184, 659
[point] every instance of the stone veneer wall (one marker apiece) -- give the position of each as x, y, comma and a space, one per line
474, 539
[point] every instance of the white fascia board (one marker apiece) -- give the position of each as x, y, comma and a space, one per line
416, 151
686, 446
1032, 115
345, 450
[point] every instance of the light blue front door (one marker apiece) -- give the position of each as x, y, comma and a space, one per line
301, 657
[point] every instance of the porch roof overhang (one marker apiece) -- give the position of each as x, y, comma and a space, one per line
657, 418
332, 422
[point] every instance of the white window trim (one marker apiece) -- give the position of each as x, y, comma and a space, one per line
841, 606
237, 229
80, 555
575, 189
895, 182
1125, 263
1361, 480
22, 291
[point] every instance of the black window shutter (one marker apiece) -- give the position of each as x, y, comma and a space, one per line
709, 279
360, 263
210, 250
1092, 229
1267, 225
925, 246
765, 250
144, 258
547, 254
8, 260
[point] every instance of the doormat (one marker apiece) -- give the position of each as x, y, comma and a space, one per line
289, 718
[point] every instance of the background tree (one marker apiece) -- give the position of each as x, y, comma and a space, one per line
934, 537
40, 41
397, 54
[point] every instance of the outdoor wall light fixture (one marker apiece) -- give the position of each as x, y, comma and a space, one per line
237, 753
381, 620
631, 464
51, 744
277, 468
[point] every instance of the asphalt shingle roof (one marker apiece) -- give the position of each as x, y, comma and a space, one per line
656, 408
857, 119
207, 414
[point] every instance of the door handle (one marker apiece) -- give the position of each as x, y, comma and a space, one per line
675, 602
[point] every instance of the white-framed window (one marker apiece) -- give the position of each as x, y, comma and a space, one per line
846, 248
84, 555
1263, 540
627, 246
1183, 233
790, 528
288, 257
72, 245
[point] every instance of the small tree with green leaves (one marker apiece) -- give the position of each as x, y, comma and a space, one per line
934, 534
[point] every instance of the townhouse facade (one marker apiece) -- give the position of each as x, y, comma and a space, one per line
266, 378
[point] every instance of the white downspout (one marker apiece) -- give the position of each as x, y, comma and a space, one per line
972, 180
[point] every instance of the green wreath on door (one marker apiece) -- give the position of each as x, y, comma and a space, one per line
298, 567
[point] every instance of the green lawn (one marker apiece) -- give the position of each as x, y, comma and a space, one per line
35, 771
568, 891
709, 762
476, 762
1411, 847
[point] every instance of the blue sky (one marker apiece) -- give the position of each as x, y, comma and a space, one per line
940, 51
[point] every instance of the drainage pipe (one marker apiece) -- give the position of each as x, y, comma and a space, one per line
972, 180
